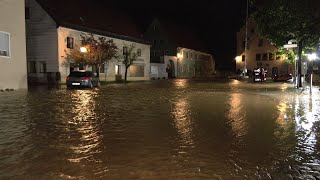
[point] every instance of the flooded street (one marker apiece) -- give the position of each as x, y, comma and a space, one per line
176, 129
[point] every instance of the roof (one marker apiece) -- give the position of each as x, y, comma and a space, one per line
183, 36
90, 16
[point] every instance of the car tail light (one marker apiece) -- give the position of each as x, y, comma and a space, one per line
85, 79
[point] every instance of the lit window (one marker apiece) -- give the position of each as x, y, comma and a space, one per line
43, 67
4, 44
136, 71
117, 70
70, 42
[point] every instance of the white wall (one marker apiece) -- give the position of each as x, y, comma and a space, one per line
13, 69
63, 33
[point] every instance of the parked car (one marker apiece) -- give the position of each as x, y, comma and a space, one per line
284, 77
82, 79
259, 74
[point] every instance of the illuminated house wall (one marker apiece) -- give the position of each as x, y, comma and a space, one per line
48, 34
13, 68
260, 53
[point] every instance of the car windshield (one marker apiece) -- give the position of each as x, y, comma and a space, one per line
80, 74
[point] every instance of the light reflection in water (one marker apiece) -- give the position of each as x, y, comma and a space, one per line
84, 121
183, 121
237, 114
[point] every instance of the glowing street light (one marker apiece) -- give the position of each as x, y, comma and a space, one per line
83, 50
312, 56
238, 58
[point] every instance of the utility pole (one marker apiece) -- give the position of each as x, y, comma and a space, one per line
246, 42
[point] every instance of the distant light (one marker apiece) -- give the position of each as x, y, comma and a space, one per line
83, 50
312, 56
238, 58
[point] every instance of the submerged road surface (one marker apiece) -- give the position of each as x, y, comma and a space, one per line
176, 129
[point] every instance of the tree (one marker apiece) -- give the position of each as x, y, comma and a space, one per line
127, 57
283, 20
99, 51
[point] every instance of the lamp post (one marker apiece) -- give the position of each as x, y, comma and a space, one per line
246, 42
312, 57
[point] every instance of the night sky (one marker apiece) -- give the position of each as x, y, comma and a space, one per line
215, 22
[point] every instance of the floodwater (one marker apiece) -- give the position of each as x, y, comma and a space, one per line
178, 129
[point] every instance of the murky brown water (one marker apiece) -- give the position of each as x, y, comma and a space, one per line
159, 130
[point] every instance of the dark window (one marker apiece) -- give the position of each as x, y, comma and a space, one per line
187, 55
258, 57
264, 56
32, 67
260, 44
139, 52
27, 13
124, 50
70, 42
102, 68
271, 56
167, 51
243, 57
81, 66
154, 43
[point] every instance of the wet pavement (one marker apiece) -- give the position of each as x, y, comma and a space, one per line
176, 129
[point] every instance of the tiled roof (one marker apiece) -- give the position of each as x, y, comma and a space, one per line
89, 15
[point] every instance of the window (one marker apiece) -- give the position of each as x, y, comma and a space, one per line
264, 57
27, 13
70, 42
187, 55
117, 69
102, 68
258, 57
4, 44
43, 67
82, 66
167, 51
260, 44
136, 71
139, 52
243, 58
124, 50
154, 43
271, 56
32, 69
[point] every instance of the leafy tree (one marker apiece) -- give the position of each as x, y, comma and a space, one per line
282, 20
127, 57
99, 51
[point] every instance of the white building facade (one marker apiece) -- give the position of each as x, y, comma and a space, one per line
48, 42
13, 68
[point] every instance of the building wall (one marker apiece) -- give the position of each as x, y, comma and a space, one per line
13, 68
110, 69
192, 63
42, 42
258, 45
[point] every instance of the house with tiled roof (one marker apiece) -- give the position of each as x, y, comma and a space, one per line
176, 51
53, 27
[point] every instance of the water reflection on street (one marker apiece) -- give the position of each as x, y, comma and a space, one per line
175, 129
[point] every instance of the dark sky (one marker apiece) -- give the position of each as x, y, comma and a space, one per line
216, 22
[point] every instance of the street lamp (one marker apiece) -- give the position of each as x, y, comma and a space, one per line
238, 58
83, 49
312, 57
